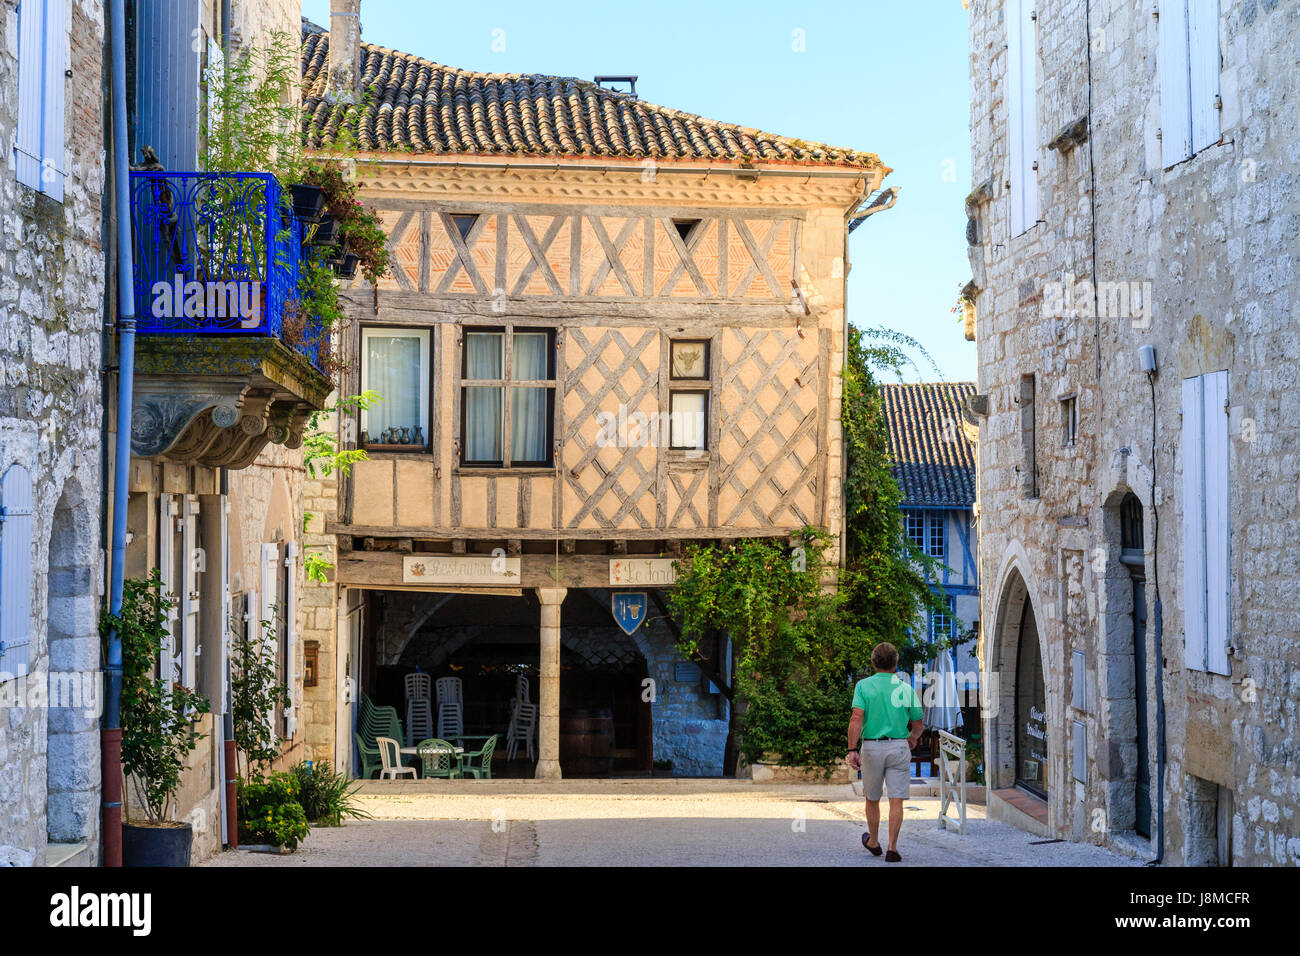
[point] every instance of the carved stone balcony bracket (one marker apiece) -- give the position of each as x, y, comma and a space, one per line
218, 400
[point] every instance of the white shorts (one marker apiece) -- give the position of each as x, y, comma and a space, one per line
886, 763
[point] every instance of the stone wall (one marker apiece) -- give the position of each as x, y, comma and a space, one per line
51, 302
1211, 243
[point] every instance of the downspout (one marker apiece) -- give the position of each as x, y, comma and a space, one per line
111, 731
229, 756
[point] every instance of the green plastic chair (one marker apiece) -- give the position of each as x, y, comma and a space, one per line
478, 762
370, 759
442, 763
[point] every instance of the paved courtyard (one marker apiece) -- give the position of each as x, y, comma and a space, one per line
649, 823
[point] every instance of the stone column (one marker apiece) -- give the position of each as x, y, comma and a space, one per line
548, 710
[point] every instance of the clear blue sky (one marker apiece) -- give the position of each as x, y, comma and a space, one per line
878, 75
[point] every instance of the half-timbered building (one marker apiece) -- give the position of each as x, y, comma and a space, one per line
611, 328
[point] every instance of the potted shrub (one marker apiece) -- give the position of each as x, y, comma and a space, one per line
158, 726
269, 812
308, 202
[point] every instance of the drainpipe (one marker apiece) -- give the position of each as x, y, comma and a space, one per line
111, 731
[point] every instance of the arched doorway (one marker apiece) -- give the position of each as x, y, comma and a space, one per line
1031, 708
1132, 556
1018, 738
72, 751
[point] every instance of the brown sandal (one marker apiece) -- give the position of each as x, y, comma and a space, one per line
892, 857
875, 850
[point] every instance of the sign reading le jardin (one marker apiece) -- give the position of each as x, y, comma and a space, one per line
460, 569
626, 572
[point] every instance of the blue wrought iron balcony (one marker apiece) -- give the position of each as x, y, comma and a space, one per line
227, 358
219, 253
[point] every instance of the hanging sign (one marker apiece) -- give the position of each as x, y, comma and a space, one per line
629, 609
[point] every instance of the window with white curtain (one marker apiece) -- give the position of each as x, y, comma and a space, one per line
508, 396
395, 364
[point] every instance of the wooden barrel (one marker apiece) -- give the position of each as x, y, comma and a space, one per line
587, 743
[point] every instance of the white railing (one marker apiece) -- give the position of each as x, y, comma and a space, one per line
952, 781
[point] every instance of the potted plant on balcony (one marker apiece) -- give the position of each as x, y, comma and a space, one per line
158, 726
363, 243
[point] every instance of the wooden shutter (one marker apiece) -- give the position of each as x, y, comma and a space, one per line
56, 64
171, 665
1217, 557
1022, 115
168, 43
15, 572
290, 634
1203, 67
1193, 445
270, 607
1206, 569
192, 557
1175, 83
31, 82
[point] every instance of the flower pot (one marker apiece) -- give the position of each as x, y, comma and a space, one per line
166, 844
326, 234
347, 268
308, 202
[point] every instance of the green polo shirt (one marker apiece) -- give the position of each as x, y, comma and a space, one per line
888, 705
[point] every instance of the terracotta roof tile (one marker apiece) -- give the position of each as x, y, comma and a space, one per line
933, 459
430, 108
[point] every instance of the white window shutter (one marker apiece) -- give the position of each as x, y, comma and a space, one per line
1193, 445
15, 572
170, 659
290, 635
1217, 573
31, 82
1175, 83
1203, 64
1022, 115
1015, 118
270, 598
53, 141
194, 560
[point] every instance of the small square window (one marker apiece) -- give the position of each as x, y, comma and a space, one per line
690, 359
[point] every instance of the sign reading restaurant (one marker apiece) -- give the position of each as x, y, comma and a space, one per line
460, 569
653, 572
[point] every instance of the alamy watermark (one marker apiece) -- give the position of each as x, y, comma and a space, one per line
1123, 299
209, 300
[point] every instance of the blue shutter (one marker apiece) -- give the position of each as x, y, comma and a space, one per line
31, 54
1217, 495
1022, 115
15, 572
168, 44
56, 65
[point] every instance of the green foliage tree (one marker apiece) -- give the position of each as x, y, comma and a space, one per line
158, 717
255, 692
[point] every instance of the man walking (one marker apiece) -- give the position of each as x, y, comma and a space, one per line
887, 719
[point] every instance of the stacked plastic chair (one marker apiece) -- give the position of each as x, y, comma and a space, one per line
523, 721
419, 713
451, 706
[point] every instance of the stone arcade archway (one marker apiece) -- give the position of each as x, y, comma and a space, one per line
72, 754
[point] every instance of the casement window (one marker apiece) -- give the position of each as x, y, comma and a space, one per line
1206, 572
927, 530
42, 62
943, 623
688, 394
1070, 420
1022, 114
1189, 77
395, 363
508, 397
15, 572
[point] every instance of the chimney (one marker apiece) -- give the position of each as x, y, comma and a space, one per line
345, 51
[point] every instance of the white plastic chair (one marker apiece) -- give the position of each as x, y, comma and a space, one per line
418, 685
523, 722
391, 758
449, 691
450, 723
419, 720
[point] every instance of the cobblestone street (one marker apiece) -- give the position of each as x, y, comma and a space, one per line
649, 823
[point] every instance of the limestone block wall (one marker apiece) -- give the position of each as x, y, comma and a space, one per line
1209, 246
51, 289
